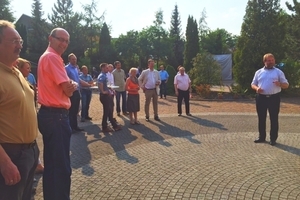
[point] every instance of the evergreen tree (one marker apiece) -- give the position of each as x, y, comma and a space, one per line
176, 40
262, 32
192, 43
106, 51
5, 11
38, 36
23, 33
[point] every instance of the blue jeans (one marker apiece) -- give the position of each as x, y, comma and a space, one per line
86, 96
118, 97
55, 127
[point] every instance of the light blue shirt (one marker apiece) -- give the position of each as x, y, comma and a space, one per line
31, 79
72, 72
163, 75
87, 78
264, 79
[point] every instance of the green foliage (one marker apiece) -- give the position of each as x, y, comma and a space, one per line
106, 52
291, 71
170, 84
192, 43
205, 71
255, 40
5, 11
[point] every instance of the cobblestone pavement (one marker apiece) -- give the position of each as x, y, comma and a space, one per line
206, 156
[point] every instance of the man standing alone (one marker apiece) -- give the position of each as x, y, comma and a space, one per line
268, 82
119, 78
18, 123
54, 90
182, 86
164, 79
148, 81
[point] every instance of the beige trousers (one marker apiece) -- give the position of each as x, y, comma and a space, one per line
148, 95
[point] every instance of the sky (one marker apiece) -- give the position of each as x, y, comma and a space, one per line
123, 16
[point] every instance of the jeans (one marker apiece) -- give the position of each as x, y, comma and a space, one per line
163, 89
271, 104
73, 111
107, 102
56, 131
118, 97
186, 96
86, 96
26, 159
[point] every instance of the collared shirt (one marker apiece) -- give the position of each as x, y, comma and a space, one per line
182, 81
31, 79
119, 79
52, 73
87, 78
18, 120
72, 72
265, 78
163, 75
150, 84
102, 78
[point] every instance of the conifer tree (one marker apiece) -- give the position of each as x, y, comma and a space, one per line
5, 11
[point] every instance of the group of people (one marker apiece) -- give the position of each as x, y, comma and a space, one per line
59, 90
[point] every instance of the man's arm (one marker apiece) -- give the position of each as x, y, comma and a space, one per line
83, 83
100, 87
8, 169
68, 88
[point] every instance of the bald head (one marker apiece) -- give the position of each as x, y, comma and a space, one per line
59, 40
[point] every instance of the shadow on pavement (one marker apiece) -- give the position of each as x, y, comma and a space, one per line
205, 122
289, 149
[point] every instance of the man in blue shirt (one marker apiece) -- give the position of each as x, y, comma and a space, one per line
73, 74
164, 79
106, 98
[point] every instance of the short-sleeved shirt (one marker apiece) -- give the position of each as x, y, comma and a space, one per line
72, 72
103, 79
264, 78
31, 79
18, 120
87, 78
119, 79
51, 73
163, 75
182, 81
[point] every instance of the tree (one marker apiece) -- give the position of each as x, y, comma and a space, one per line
106, 51
23, 33
38, 35
192, 43
5, 11
176, 58
262, 32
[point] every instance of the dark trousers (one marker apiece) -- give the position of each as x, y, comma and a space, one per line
26, 160
86, 96
186, 96
118, 100
271, 104
163, 89
107, 102
73, 110
55, 128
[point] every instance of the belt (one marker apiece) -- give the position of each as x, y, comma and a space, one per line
151, 89
268, 95
13, 146
54, 109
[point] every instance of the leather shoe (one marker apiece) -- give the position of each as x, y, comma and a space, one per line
147, 119
179, 114
156, 118
189, 114
259, 140
272, 143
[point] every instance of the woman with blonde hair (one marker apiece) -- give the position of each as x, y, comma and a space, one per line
133, 99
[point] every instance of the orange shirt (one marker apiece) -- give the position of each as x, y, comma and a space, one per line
51, 73
132, 85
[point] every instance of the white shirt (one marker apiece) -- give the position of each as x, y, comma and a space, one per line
110, 79
182, 81
264, 78
150, 84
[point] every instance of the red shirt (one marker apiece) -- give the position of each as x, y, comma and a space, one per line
51, 73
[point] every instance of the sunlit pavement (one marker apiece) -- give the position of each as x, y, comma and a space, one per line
206, 156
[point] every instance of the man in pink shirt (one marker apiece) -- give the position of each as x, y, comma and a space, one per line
54, 90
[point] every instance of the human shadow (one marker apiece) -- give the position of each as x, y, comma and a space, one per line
176, 132
80, 154
205, 122
289, 149
117, 141
150, 135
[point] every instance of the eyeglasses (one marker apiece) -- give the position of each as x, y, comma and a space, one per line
16, 41
61, 39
